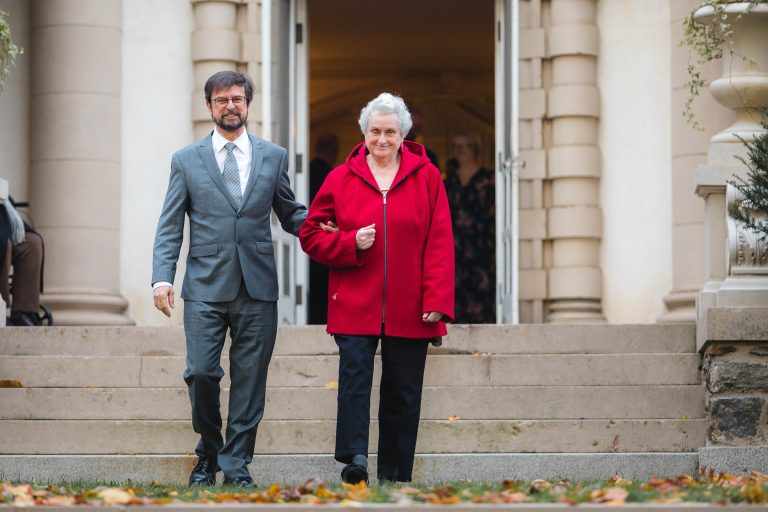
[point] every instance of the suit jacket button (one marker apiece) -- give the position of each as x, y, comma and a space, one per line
238, 242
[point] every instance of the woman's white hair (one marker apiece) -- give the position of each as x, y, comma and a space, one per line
386, 103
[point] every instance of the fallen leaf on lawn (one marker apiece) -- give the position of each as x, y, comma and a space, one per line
114, 496
10, 383
513, 497
754, 492
332, 384
17, 490
358, 491
540, 485
610, 496
621, 481
311, 485
165, 501
454, 418
59, 501
24, 500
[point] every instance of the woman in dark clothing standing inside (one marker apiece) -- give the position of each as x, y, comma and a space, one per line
472, 198
391, 279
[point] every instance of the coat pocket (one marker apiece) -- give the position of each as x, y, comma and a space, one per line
195, 251
265, 248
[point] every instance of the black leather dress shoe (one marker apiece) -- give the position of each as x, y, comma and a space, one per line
204, 472
354, 473
244, 482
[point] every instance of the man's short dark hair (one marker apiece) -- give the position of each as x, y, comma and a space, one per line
227, 79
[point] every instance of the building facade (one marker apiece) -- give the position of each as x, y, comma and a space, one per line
609, 227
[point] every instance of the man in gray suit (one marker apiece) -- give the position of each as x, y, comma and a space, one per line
228, 183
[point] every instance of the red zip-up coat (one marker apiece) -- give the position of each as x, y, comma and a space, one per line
408, 271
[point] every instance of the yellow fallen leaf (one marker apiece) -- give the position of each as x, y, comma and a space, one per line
454, 418
114, 496
10, 383
333, 384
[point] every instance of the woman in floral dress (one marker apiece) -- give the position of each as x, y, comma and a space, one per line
472, 197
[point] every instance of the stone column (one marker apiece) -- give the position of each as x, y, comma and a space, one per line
689, 148
75, 155
574, 219
533, 171
216, 46
227, 35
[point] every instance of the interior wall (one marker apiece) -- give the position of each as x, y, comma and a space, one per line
438, 55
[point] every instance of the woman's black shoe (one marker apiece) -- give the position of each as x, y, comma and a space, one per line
204, 472
354, 473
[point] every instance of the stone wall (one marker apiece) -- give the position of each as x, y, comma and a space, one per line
736, 377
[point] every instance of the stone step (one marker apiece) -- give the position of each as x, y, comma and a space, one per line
317, 436
312, 340
297, 469
441, 370
487, 402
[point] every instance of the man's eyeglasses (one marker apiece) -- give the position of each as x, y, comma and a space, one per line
237, 101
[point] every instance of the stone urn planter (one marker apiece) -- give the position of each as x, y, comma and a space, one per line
743, 87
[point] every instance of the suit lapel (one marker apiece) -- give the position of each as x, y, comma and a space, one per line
205, 150
257, 156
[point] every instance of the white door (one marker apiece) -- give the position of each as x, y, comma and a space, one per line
507, 23
279, 52
298, 83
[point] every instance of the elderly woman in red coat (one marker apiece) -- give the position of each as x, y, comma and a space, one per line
391, 279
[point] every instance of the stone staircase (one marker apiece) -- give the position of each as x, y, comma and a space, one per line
529, 401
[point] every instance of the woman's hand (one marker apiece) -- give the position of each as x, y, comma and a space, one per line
431, 317
365, 237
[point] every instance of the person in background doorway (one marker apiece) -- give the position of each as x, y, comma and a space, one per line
416, 134
472, 196
391, 279
326, 152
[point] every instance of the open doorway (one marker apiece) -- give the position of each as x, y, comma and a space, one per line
437, 54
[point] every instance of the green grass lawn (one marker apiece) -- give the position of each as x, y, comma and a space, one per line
704, 488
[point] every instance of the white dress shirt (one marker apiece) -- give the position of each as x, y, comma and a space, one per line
242, 154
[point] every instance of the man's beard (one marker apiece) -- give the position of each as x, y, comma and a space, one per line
228, 124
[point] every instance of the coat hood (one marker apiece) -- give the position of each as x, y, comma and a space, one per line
413, 157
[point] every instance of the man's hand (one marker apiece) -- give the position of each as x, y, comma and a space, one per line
431, 317
331, 227
365, 237
163, 297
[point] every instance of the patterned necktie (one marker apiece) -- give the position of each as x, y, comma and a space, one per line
232, 174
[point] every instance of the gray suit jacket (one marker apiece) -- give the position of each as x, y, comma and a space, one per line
226, 244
